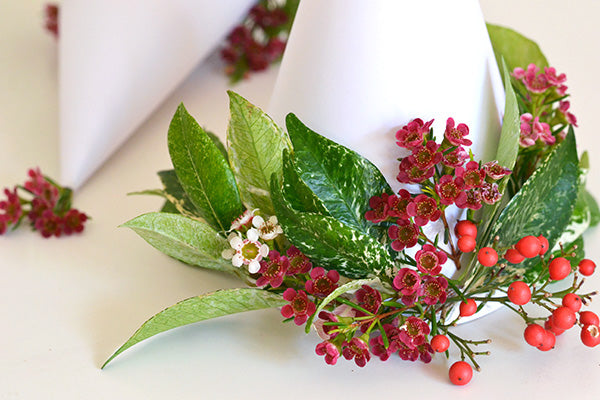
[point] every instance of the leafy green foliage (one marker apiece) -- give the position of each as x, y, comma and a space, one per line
299, 195
343, 180
514, 48
255, 147
203, 172
330, 243
200, 308
545, 203
174, 193
183, 238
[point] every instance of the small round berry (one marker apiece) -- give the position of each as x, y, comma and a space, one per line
440, 343
465, 228
487, 256
529, 246
534, 335
467, 309
513, 256
549, 325
544, 245
590, 335
460, 373
588, 318
466, 244
519, 293
559, 268
586, 267
548, 342
572, 301
564, 318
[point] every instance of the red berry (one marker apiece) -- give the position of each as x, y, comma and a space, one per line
586, 267
549, 325
590, 335
588, 318
440, 343
466, 244
564, 318
529, 246
534, 335
465, 228
487, 256
519, 293
544, 245
460, 373
467, 309
559, 268
513, 256
572, 301
548, 342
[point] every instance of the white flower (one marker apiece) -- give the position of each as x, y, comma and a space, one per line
267, 230
247, 251
242, 220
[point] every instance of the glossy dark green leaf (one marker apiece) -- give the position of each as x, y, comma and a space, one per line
203, 172
217, 141
516, 49
342, 179
329, 242
300, 197
201, 308
255, 147
193, 242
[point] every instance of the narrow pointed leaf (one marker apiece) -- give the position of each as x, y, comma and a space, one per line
203, 172
185, 239
343, 180
200, 308
174, 193
330, 243
255, 147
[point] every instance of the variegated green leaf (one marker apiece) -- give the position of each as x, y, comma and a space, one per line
300, 197
329, 242
200, 308
340, 177
255, 147
185, 239
203, 172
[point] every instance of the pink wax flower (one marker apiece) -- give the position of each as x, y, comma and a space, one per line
357, 349
429, 260
379, 208
404, 234
397, 204
300, 306
273, 270
411, 135
433, 289
472, 175
456, 135
322, 282
299, 263
329, 350
450, 189
424, 209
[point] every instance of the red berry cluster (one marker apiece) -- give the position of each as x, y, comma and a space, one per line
259, 41
48, 210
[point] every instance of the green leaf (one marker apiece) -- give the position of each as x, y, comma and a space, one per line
506, 155
255, 147
593, 207
169, 207
352, 285
330, 243
185, 239
217, 141
300, 197
174, 193
508, 147
201, 308
545, 203
516, 49
203, 172
343, 180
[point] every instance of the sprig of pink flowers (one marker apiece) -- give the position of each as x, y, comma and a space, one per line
47, 207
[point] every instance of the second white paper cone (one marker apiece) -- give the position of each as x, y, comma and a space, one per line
119, 60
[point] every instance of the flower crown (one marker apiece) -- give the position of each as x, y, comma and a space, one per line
314, 228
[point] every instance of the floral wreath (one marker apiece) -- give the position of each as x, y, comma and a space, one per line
314, 228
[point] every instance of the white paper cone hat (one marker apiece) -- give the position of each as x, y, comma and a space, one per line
356, 70
119, 60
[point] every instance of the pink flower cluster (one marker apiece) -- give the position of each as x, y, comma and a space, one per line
455, 181
45, 212
545, 110
256, 43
